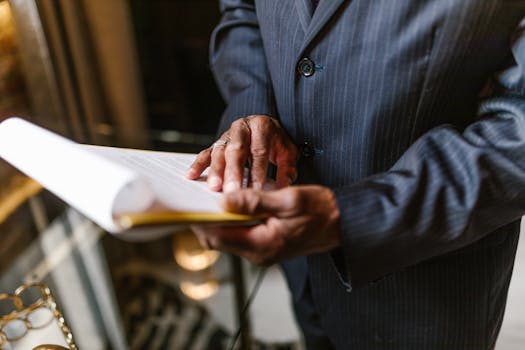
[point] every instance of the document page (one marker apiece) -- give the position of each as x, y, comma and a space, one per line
165, 173
90, 183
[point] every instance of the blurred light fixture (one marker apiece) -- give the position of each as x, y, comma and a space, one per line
199, 291
190, 255
5, 13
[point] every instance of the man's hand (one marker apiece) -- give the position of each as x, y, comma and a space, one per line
303, 220
259, 139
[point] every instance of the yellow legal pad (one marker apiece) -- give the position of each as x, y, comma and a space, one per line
169, 217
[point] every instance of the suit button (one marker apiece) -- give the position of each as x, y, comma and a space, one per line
306, 67
307, 151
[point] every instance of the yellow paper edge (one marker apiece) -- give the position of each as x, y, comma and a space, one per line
129, 220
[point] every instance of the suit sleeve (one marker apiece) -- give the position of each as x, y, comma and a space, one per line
448, 190
238, 63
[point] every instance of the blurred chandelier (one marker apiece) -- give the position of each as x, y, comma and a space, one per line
190, 255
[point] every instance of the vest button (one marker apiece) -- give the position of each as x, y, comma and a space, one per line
306, 67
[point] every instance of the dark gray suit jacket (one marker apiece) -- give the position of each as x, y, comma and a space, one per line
415, 117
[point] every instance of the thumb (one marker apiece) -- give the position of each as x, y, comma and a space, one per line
279, 203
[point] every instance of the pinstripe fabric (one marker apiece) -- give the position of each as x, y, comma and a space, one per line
429, 176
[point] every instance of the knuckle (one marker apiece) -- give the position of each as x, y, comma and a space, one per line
236, 123
239, 124
265, 120
235, 147
262, 123
216, 151
260, 152
256, 117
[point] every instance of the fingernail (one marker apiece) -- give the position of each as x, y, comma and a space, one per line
231, 186
191, 173
214, 182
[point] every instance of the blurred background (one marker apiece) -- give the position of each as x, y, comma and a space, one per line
131, 73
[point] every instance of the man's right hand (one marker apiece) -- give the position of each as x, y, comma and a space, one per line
257, 138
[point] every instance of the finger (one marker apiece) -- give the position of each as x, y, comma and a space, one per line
201, 162
203, 240
286, 162
282, 203
235, 240
218, 163
231, 239
286, 171
256, 243
260, 130
236, 154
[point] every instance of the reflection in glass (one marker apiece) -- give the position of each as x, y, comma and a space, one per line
199, 291
190, 255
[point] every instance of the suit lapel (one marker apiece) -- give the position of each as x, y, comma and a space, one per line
325, 10
304, 10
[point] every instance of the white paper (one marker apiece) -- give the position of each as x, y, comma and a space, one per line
93, 185
166, 174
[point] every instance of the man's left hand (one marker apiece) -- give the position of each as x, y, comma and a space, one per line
302, 220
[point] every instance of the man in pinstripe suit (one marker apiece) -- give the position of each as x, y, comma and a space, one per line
407, 119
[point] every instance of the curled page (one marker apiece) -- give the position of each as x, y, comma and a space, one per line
96, 187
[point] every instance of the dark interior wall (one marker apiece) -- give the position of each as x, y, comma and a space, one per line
173, 38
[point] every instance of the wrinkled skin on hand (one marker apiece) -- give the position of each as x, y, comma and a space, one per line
302, 220
259, 139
